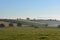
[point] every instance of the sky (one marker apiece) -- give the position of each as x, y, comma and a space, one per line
39, 9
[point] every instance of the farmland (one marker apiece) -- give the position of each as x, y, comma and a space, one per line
25, 33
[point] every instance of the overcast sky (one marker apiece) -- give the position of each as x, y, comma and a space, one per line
44, 9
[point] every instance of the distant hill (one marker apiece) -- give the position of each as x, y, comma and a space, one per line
38, 23
49, 22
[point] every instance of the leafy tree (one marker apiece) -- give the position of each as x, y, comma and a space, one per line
28, 18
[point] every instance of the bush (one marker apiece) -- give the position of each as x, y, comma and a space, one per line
11, 24
58, 26
2, 25
35, 26
19, 24
46, 25
32, 25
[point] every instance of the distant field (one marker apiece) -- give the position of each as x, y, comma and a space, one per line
6, 23
21, 33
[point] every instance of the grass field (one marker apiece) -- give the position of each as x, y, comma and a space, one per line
21, 33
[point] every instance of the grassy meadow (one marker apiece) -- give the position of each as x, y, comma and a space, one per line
21, 33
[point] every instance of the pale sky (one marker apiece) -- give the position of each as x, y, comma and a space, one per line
40, 9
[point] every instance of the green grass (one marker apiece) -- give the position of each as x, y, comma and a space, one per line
21, 33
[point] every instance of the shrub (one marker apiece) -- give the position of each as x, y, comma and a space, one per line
46, 25
19, 24
35, 26
32, 25
11, 24
58, 26
2, 25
